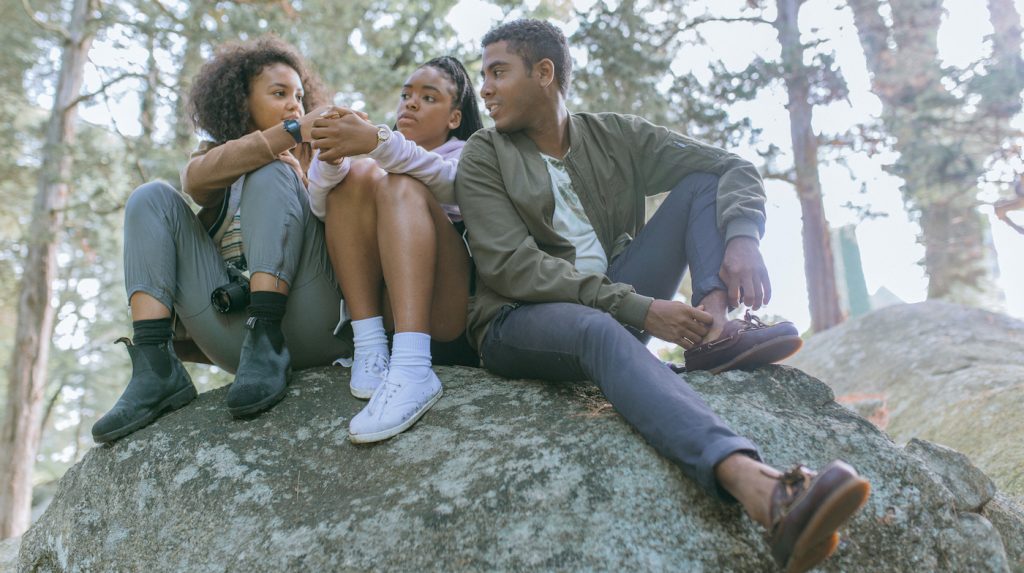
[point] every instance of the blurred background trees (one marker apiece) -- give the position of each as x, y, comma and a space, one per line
73, 156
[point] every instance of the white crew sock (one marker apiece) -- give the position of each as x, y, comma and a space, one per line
369, 336
410, 359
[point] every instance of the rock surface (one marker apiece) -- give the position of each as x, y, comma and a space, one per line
500, 476
1008, 518
949, 374
9, 554
971, 488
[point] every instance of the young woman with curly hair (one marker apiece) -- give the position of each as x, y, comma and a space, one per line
250, 105
395, 238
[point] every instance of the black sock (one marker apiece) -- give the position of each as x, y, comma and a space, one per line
154, 331
152, 336
268, 307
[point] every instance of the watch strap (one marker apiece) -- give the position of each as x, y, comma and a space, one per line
293, 127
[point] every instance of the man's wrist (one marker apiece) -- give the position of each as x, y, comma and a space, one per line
742, 228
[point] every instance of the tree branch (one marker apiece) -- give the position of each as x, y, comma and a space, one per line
167, 12
104, 87
59, 30
707, 19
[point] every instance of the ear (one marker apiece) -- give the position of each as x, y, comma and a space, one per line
454, 119
545, 70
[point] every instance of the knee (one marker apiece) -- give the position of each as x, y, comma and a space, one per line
359, 185
402, 192
272, 178
698, 183
152, 197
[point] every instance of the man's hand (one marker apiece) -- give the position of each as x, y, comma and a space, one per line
677, 322
744, 274
342, 132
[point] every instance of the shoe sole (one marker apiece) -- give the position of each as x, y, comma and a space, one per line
390, 432
815, 544
179, 399
361, 394
261, 406
768, 352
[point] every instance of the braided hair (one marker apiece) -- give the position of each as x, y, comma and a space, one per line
464, 97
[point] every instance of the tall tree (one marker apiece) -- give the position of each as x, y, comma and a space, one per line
943, 135
20, 433
620, 77
819, 268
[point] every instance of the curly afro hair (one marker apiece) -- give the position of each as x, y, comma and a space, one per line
219, 100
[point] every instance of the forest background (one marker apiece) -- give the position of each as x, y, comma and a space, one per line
898, 120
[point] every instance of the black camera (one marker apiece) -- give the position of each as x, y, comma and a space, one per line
232, 296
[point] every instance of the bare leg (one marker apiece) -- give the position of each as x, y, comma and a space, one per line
145, 307
266, 282
350, 228
715, 304
745, 478
425, 263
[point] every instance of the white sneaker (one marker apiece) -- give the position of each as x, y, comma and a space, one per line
368, 373
395, 406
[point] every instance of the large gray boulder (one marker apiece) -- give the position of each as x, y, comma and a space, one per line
947, 373
500, 476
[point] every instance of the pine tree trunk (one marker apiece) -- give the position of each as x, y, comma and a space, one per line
819, 267
957, 255
20, 433
191, 60
942, 146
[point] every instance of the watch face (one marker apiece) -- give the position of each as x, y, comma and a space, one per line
383, 134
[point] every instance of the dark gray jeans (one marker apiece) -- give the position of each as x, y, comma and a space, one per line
170, 256
572, 342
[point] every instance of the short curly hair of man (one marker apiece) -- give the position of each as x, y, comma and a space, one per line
534, 40
218, 102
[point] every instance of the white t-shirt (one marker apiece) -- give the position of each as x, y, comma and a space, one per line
572, 223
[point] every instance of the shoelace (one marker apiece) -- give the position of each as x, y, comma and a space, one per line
753, 321
378, 365
383, 395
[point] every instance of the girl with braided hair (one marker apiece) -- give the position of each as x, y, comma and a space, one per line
395, 238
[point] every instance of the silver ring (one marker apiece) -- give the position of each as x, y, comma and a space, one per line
688, 341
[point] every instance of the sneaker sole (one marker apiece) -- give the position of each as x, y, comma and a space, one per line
768, 352
833, 512
179, 399
261, 406
390, 432
361, 394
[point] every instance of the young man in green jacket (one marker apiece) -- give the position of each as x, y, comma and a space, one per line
553, 201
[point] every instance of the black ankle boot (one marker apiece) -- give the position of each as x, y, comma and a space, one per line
151, 392
263, 368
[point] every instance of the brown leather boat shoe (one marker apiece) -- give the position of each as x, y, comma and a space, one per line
808, 508
745, 343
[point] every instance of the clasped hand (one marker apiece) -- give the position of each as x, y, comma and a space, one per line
340, 132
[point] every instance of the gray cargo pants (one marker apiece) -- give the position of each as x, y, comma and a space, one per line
572, 342
170, 256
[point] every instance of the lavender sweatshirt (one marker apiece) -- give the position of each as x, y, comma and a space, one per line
436, 169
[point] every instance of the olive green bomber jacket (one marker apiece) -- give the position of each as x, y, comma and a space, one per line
614, 162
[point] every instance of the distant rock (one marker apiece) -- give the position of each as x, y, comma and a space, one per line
949, 374
501, 475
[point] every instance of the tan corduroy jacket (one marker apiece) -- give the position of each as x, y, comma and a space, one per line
213, 168
614, 162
